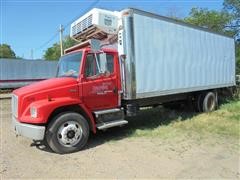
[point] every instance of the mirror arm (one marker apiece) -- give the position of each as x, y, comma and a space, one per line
97, 62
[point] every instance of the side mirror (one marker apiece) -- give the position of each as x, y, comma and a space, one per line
103, 62
95, 45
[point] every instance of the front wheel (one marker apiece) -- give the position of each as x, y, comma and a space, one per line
67, 133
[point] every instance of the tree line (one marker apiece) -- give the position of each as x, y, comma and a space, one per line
225, 21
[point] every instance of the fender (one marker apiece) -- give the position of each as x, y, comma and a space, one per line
45, 107
89, 114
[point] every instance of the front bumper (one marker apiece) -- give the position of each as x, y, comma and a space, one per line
28, 130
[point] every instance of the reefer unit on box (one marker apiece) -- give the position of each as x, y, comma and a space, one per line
97, 23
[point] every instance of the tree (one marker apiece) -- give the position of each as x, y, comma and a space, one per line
54, 52
215, 20
6, 51
69, 42
233, 8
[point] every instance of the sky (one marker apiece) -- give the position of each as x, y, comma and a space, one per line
32, 25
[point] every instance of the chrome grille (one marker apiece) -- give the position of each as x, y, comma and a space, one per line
14, 105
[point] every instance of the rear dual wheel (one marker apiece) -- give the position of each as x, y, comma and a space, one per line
207, 102
67, 133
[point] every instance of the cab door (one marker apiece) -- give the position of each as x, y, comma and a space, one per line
100, 90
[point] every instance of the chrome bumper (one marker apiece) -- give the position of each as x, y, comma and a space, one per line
27, 130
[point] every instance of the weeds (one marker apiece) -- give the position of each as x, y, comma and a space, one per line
162, 123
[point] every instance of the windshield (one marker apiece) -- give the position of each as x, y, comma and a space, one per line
69, 65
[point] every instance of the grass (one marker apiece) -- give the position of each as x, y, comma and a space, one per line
165, 123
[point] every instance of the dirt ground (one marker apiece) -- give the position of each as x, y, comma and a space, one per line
106, 157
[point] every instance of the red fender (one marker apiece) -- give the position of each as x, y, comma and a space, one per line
88, 112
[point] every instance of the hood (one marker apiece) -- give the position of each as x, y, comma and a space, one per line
48, 90
45, 85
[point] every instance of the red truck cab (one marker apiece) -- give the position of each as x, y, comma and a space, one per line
64, 109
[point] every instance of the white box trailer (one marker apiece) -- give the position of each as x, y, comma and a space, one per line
168, 57
15, 73
162, 56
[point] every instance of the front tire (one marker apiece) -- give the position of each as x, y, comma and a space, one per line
67, 133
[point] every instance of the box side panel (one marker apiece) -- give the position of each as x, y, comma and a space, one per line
172, 58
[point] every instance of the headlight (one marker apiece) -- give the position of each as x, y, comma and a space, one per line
33, 112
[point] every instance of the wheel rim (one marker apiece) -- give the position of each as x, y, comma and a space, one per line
69, 134
211, 103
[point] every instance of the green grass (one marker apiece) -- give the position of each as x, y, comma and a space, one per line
165, 123
168, 124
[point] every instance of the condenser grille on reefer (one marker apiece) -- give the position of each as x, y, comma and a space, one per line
82, 25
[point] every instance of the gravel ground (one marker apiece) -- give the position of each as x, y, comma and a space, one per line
106, 157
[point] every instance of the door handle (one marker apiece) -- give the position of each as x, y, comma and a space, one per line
107, 91
110, 91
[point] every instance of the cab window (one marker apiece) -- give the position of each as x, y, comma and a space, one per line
91, 67
110, 63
